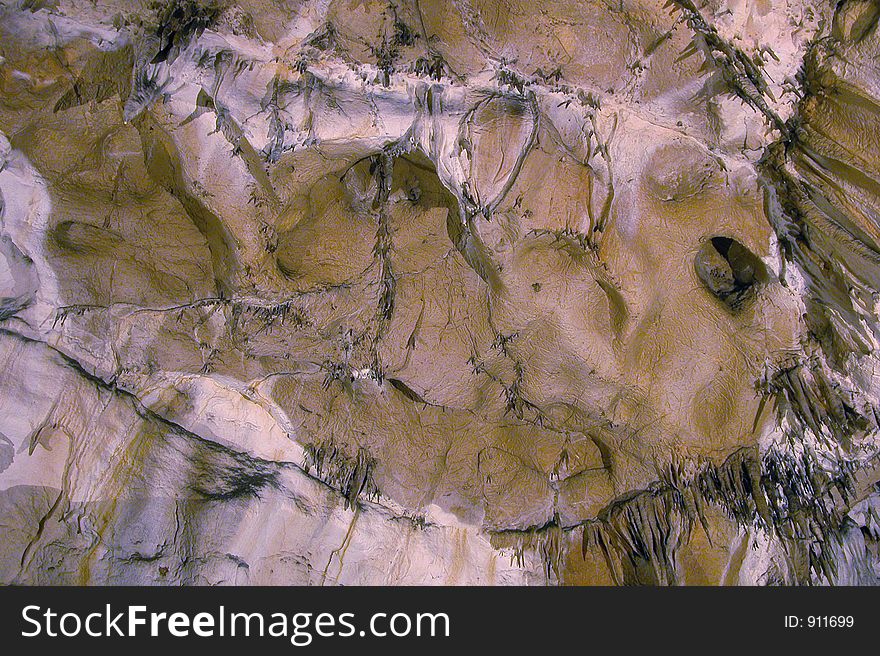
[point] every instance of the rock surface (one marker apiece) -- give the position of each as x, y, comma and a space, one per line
414, 292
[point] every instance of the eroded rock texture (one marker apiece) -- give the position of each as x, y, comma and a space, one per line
409, 291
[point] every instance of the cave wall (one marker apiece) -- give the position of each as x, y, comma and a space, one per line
414, 292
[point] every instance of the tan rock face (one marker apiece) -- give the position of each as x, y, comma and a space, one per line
401, 292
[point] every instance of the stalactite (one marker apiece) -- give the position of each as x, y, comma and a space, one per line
351, 475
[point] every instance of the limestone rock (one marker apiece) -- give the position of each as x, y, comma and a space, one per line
398, 292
